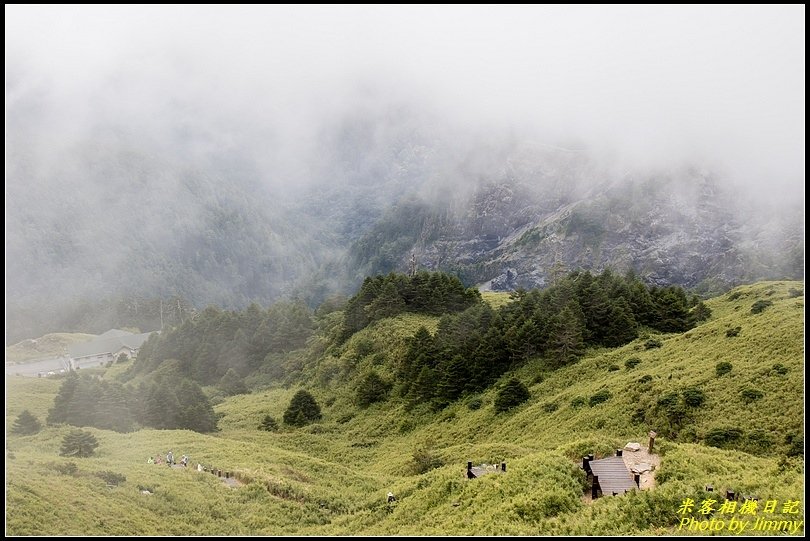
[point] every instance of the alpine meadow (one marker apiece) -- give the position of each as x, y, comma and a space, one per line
404, 270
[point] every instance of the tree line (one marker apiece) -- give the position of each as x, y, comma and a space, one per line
169, 402
219, 347
384, 296
473, 348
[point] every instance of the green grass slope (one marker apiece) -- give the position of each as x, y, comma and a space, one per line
332, 477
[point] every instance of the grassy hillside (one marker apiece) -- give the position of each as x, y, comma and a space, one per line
332, 477
50, 345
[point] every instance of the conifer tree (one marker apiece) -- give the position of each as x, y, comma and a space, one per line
303, 410
512, 394
26, 424
372, 388
78, 443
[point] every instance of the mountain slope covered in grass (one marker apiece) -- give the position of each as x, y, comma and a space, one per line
739, 429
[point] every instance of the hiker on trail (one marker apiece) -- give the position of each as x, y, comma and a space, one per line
151, 460
184, 461
159, 459
391, 497
169, 459
199, 467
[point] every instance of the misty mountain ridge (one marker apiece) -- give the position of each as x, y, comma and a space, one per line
681, 227
195, 215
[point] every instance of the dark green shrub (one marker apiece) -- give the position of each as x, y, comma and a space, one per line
734, 296
111, 478
639, 416
723, 367
475, 403
599, 397
668, 401
364, 347
796, 442
760, 306
694, 397
793, 292
780, 369
632, 362
550, 407
653, 343
613, 368
759, 440
731, 333
646, 378
578, 402
511, 395
750, 394
303, 409
269, 424
68, 468
722, 437
425, 459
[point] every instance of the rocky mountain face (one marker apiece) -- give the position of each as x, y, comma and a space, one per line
551, 211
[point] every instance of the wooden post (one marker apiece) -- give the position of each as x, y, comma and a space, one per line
585, 465
594, 487
227, 475
709, 488
618, 452
503, 467
637, 479
219, 473
653, 434
729, 494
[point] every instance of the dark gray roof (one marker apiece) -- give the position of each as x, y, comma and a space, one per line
108, 344
613, 475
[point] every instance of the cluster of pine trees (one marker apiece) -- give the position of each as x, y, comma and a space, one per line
473, 348
219, 346
168, 403
425, 292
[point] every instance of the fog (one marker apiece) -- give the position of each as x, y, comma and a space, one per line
721, 85
109, 103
